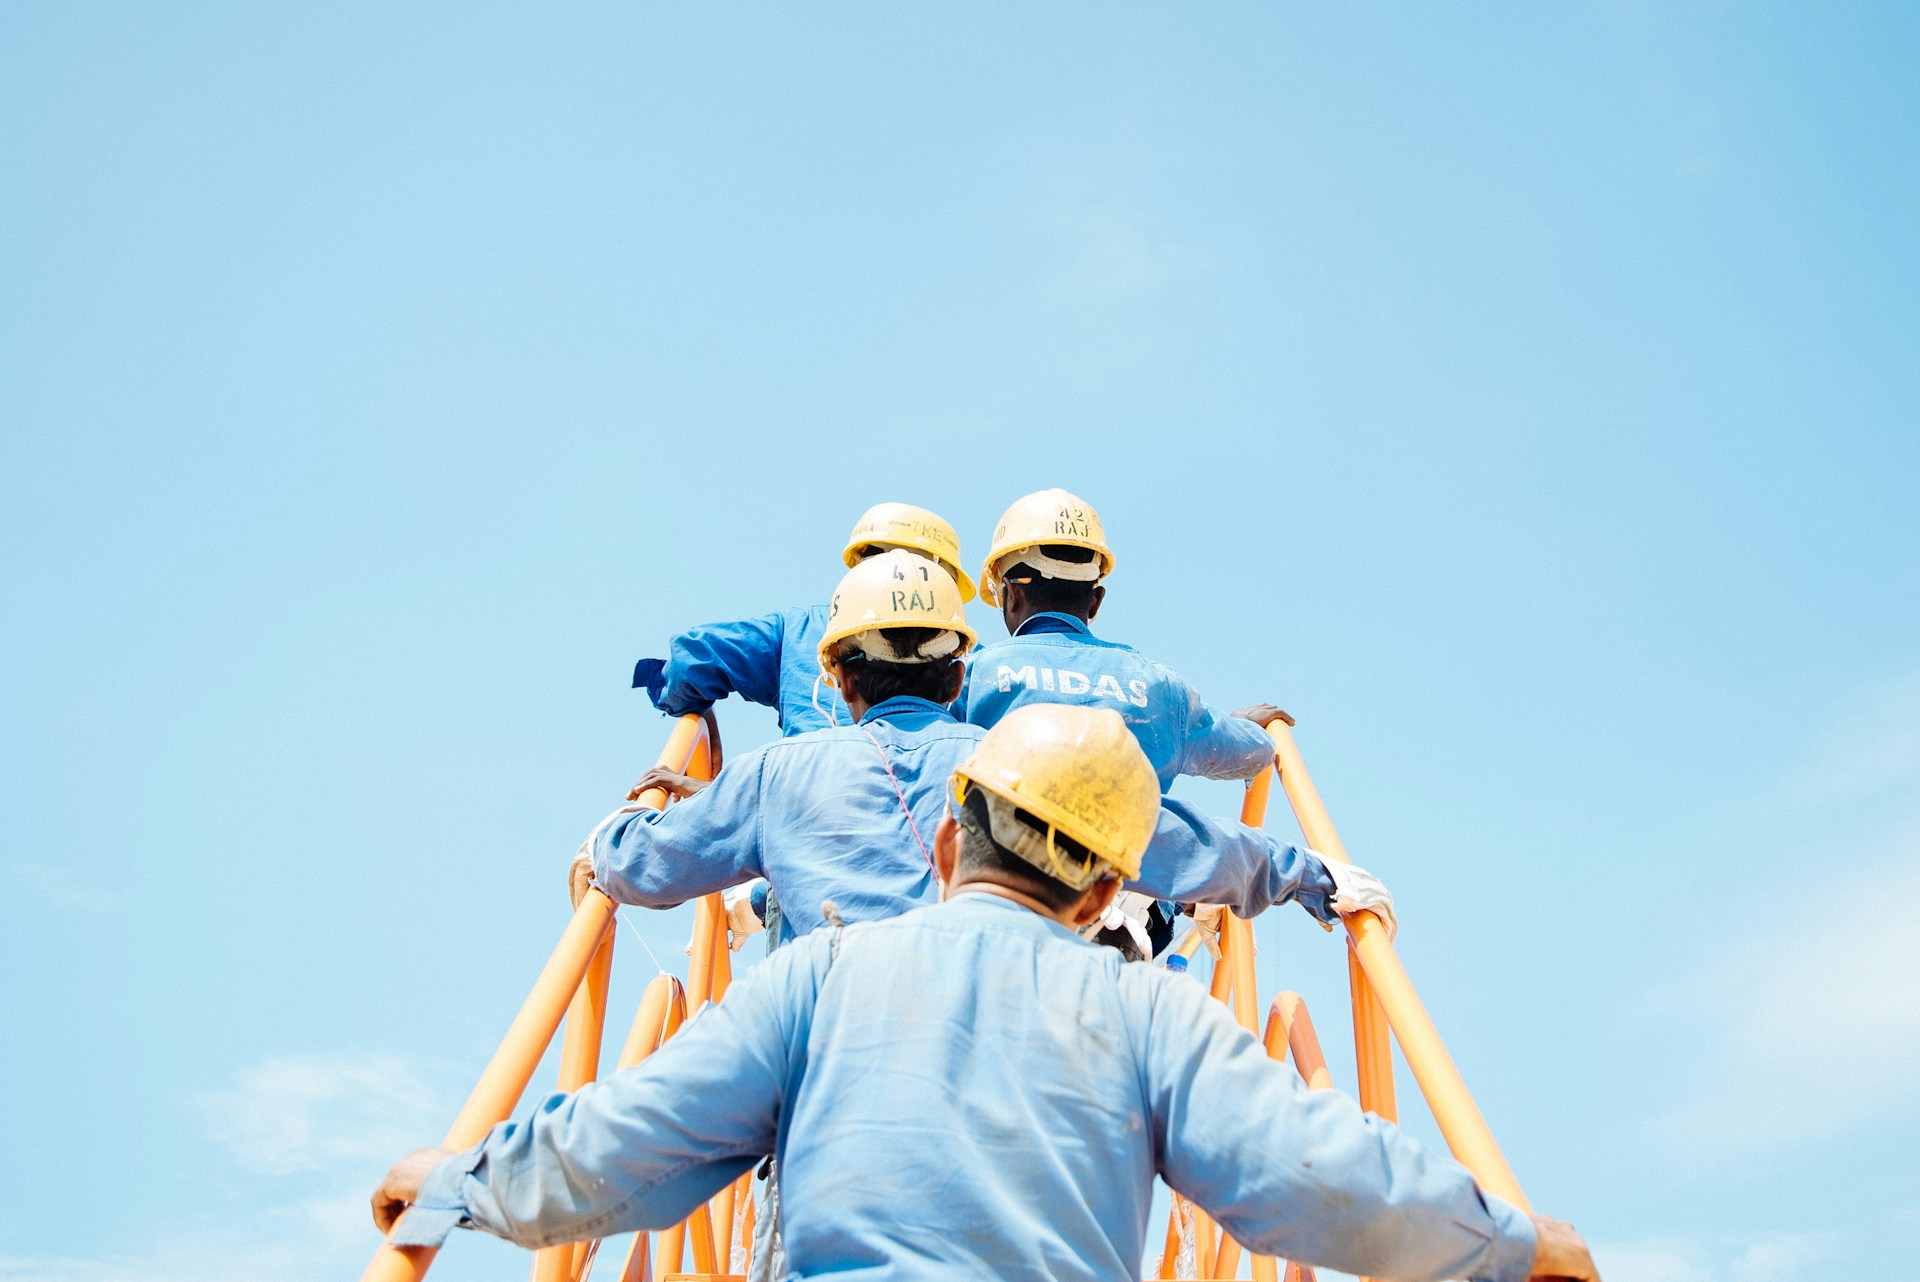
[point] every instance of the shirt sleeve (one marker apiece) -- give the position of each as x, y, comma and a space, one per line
706, 664
1313, 1179
1219, 745
646, 1146
1196, 859
708, 842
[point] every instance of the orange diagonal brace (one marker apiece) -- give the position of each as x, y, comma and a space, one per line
512, 1066
1459, 1118
1290, 1028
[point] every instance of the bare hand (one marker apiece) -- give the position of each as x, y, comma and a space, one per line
742, 923
1561, 1253
580, 877
402, 1186
670, 781
1263, 714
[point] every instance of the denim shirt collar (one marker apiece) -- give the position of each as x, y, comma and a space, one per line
909, 710
1053, 621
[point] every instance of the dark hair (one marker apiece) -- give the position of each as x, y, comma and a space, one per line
983, 857
1060, 596
877, 681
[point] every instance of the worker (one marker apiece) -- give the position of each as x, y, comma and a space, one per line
847, 813
970, 1090
1045, 572
771, 660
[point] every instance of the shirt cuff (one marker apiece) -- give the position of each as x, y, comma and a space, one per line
1511, 1257
1317, 888
441, 1206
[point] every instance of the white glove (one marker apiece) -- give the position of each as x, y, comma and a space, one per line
1357, 890
580, 870
1127, 914
742, 923
1207, 919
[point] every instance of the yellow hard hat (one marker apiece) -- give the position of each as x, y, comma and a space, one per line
1082, 774
902, 525
897, 589
1049, 517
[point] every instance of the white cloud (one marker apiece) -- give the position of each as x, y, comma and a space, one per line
313, 1132
1808, 1022
315, 1239
309, 1113
1753, 1257
1815, 1026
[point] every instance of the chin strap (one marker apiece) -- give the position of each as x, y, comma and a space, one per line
832, 717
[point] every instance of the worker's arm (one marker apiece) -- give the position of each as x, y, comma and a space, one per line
1194, 858
1217, 745
706, 664
1305, 1175
643, 1148
659, 858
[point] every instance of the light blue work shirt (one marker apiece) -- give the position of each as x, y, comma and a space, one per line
819, 817
773, 660
1055, 658
971, 1091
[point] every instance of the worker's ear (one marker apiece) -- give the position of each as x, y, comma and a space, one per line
1093, 605
1013, 602
956, 680
946, 851
1094, 902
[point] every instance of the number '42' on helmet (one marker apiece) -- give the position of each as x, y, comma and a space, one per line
1049, 518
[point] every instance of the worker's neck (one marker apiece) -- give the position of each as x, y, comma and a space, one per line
1017, 618
1068, 916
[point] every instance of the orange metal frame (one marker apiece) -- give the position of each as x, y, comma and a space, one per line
574, 982
1384, 1001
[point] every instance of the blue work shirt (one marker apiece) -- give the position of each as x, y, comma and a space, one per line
971, 1091
819, 817
1055, 658
773, 660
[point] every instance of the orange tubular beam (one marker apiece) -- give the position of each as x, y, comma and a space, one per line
1290, 1028
1372, 1047
709, 925
1459, 1118
512, 1066
579, 1064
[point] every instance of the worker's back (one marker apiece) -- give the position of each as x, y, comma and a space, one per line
973, 1091
1055, 658
846, 814
991, 1124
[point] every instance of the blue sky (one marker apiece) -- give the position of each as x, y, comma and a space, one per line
1524, 396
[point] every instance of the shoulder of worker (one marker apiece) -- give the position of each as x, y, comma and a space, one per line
1171, 1009
805, 618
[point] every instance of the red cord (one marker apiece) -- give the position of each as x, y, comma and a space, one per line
912, 823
